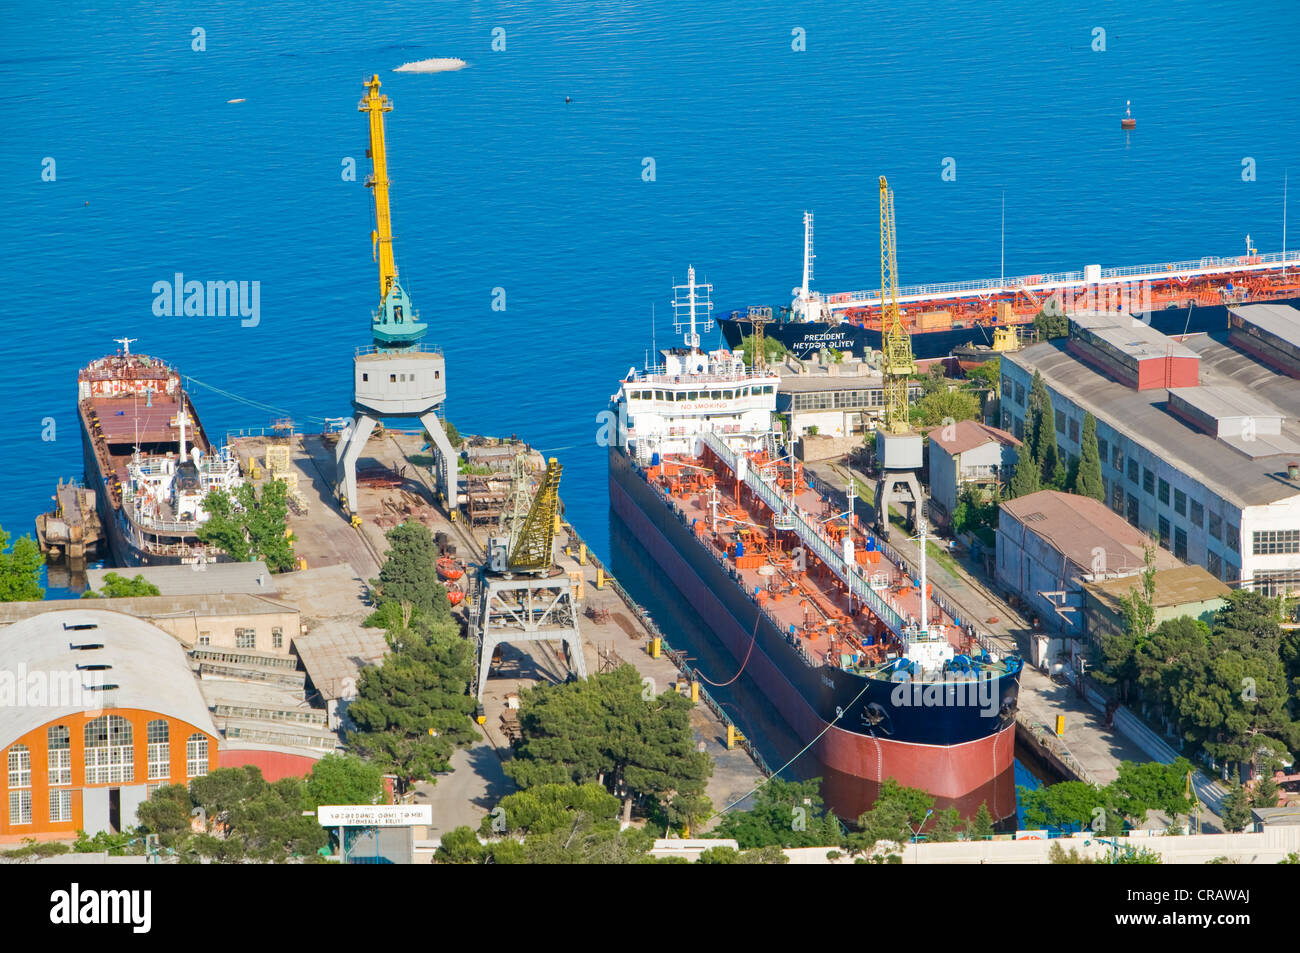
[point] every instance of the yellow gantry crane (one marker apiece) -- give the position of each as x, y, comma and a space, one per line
381, 237
897, 363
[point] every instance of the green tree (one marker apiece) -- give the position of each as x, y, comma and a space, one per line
410, 572
1050, 322
118, 587
729, 855
898, 814
980, 826
773, 350
604, 729
20, 570
344, 779
1152, 786
1265, 792
1088, 480
244, 818
1041, 437
1236, 806
1025, 478
247, 525
413, 710
785, 814
987, 375
943, 405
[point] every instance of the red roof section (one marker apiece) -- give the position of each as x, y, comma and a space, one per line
969, 434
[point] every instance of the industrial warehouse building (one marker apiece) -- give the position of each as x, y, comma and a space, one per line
1049, 544
1187, 591
97, 709
840, 399
1197, 438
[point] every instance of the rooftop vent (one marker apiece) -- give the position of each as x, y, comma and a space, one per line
79, 626
85, 646
95, 667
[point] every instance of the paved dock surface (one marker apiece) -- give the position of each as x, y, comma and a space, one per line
325, 537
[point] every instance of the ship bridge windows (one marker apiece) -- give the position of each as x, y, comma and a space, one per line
659, 395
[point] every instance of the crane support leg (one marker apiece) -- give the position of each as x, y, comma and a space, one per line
346, 454
445, 460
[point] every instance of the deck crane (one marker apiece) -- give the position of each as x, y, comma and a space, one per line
531, 551
898, 447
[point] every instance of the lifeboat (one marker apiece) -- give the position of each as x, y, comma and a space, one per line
447, 569
455, 596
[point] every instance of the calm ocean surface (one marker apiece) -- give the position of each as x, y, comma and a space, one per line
497, 183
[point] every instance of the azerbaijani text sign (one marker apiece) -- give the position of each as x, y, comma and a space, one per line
374, 815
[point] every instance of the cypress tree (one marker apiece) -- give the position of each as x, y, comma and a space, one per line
1026, 478
1088, 481
1043, 445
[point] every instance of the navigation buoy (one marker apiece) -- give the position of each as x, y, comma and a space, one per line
1128, 122
567, 99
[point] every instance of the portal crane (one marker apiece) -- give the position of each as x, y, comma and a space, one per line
898, 447
897, 363
532, 550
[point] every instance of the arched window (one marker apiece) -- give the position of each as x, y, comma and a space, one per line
110, 758
196, 756
20, 782
158, 740
58, 742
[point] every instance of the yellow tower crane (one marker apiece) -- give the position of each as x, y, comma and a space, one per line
897, 363
381, 238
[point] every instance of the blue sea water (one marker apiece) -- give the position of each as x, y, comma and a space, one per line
497, 183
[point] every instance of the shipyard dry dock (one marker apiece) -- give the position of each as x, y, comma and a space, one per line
394, 485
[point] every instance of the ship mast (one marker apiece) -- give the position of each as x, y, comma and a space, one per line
382, 236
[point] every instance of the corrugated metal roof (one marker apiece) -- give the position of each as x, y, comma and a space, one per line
1144, 417
969, 434
253, 578
1078, 527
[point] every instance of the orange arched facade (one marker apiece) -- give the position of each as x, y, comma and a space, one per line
55, 762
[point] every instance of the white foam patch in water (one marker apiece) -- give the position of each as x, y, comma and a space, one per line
441, 65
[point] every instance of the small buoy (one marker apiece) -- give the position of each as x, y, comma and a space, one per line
567, 99
1128, 122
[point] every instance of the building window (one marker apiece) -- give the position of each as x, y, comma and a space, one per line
58, 742
1273, 542
1074, 430
61, 806
1132, 509
196, 756
1214, 564
158, 741
245, 638
1132, 471
365, 377
1020, 394
1231, 573
1232, 538
1180, 542
110, 754
20, 767
277, 637
1117, 458
1197, 514
1164, 492
1103, 450
1271, 583
1164, 532
1148, 481
1216, 526
1180, 502
1117, 497
1060, 421
20, 807
205, 638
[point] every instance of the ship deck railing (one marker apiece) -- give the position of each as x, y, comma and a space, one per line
659, 374
813, 538
1176, 269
